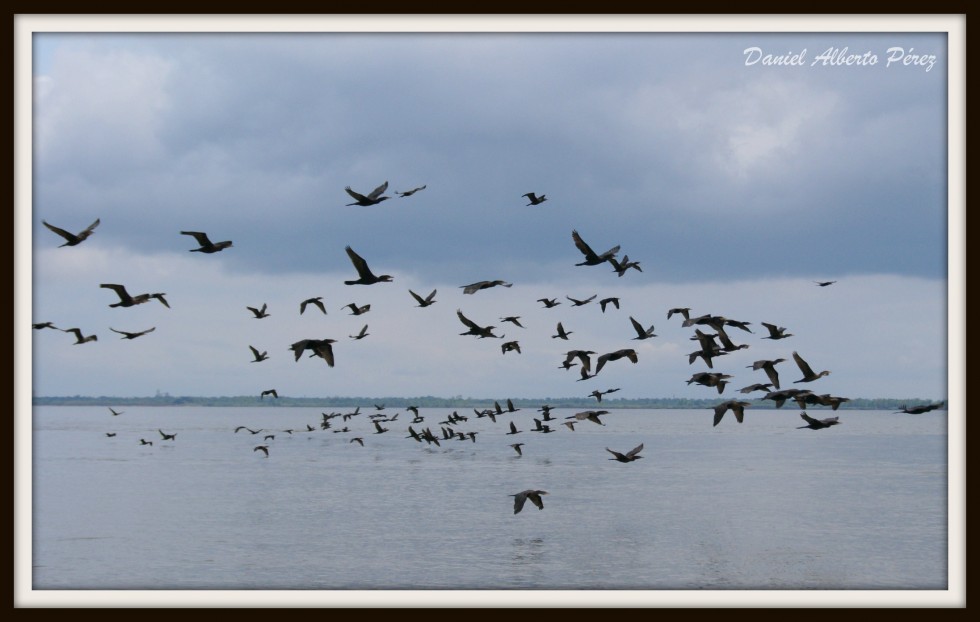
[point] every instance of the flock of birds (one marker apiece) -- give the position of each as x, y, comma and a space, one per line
710, 346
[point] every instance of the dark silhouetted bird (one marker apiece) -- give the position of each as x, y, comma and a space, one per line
73, 239
533, 495
711, 380
620, 267
271, 392
562, 334
250, 430
319, 347
770, 369
817, 424
143, 441
513, 429
780, 397
474, 328
126, 335
549, 302
641, 333
269, 437
737, 408
534, 199
125, 300
606, 301
259, 356
372, 199
207, 246
509, 346
360, 335
259, 313
808, 374
591, 258
378, 428
408, 193
582, 356
110, 434
115, 413
755, 387
513, 319
628, 353
918, 410
776, 332
517, 448
365, 276
358, 440
826, 399
629, 456
41, 325
824, 283
591, 415
472, 288
79, 338
317, 302
683, 311
357, 310
597, 394
263, 448
167, 437
423, 302
579, 303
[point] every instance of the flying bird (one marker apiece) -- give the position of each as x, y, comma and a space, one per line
372, 199
629, 456
770, 369
474, 328
513, 319
365, 276
356, 310
711, 380
641, 333
620, 267
263, 448
824, 283
918, 410
472, 288
110, 434
125, 300
808, 374
115, 413
591, 415
259, 313
510, 346
591, 258
776, 332
579, 303
534, 496
423, 302
606, 301
582, 356
360, 335
817, 424
628, 353
79, 339
319, 347
143, 441
41, 325
562, 334
513, 429
549, 302
756, 387
317, 302
207, 246
517, 448
683, 311
167, 437
597, 394
126, 335
259, 356
534, 199
737, 408
271, 392
358, 440
408, 193
73, 239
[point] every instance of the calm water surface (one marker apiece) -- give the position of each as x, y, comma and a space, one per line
758, 505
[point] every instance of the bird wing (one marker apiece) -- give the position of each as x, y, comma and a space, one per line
583, 247
638, 327
377, 192
88, 230
356, 195
417, 298
634, 451
200, 236
359, 264
65, 234
468, 322
119, 289
536, 499
474, 287
773, 375
519, 500
324, 350
804, 367
616, 453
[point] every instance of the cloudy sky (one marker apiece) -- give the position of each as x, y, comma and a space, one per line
735, 184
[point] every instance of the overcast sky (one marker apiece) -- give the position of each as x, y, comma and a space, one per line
735, 184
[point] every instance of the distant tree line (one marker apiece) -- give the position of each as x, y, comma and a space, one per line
430, 401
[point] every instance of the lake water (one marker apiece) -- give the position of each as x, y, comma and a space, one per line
760, 505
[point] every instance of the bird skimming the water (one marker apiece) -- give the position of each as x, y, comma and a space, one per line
533, 495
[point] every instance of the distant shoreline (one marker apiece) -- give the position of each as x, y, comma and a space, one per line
458, 402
